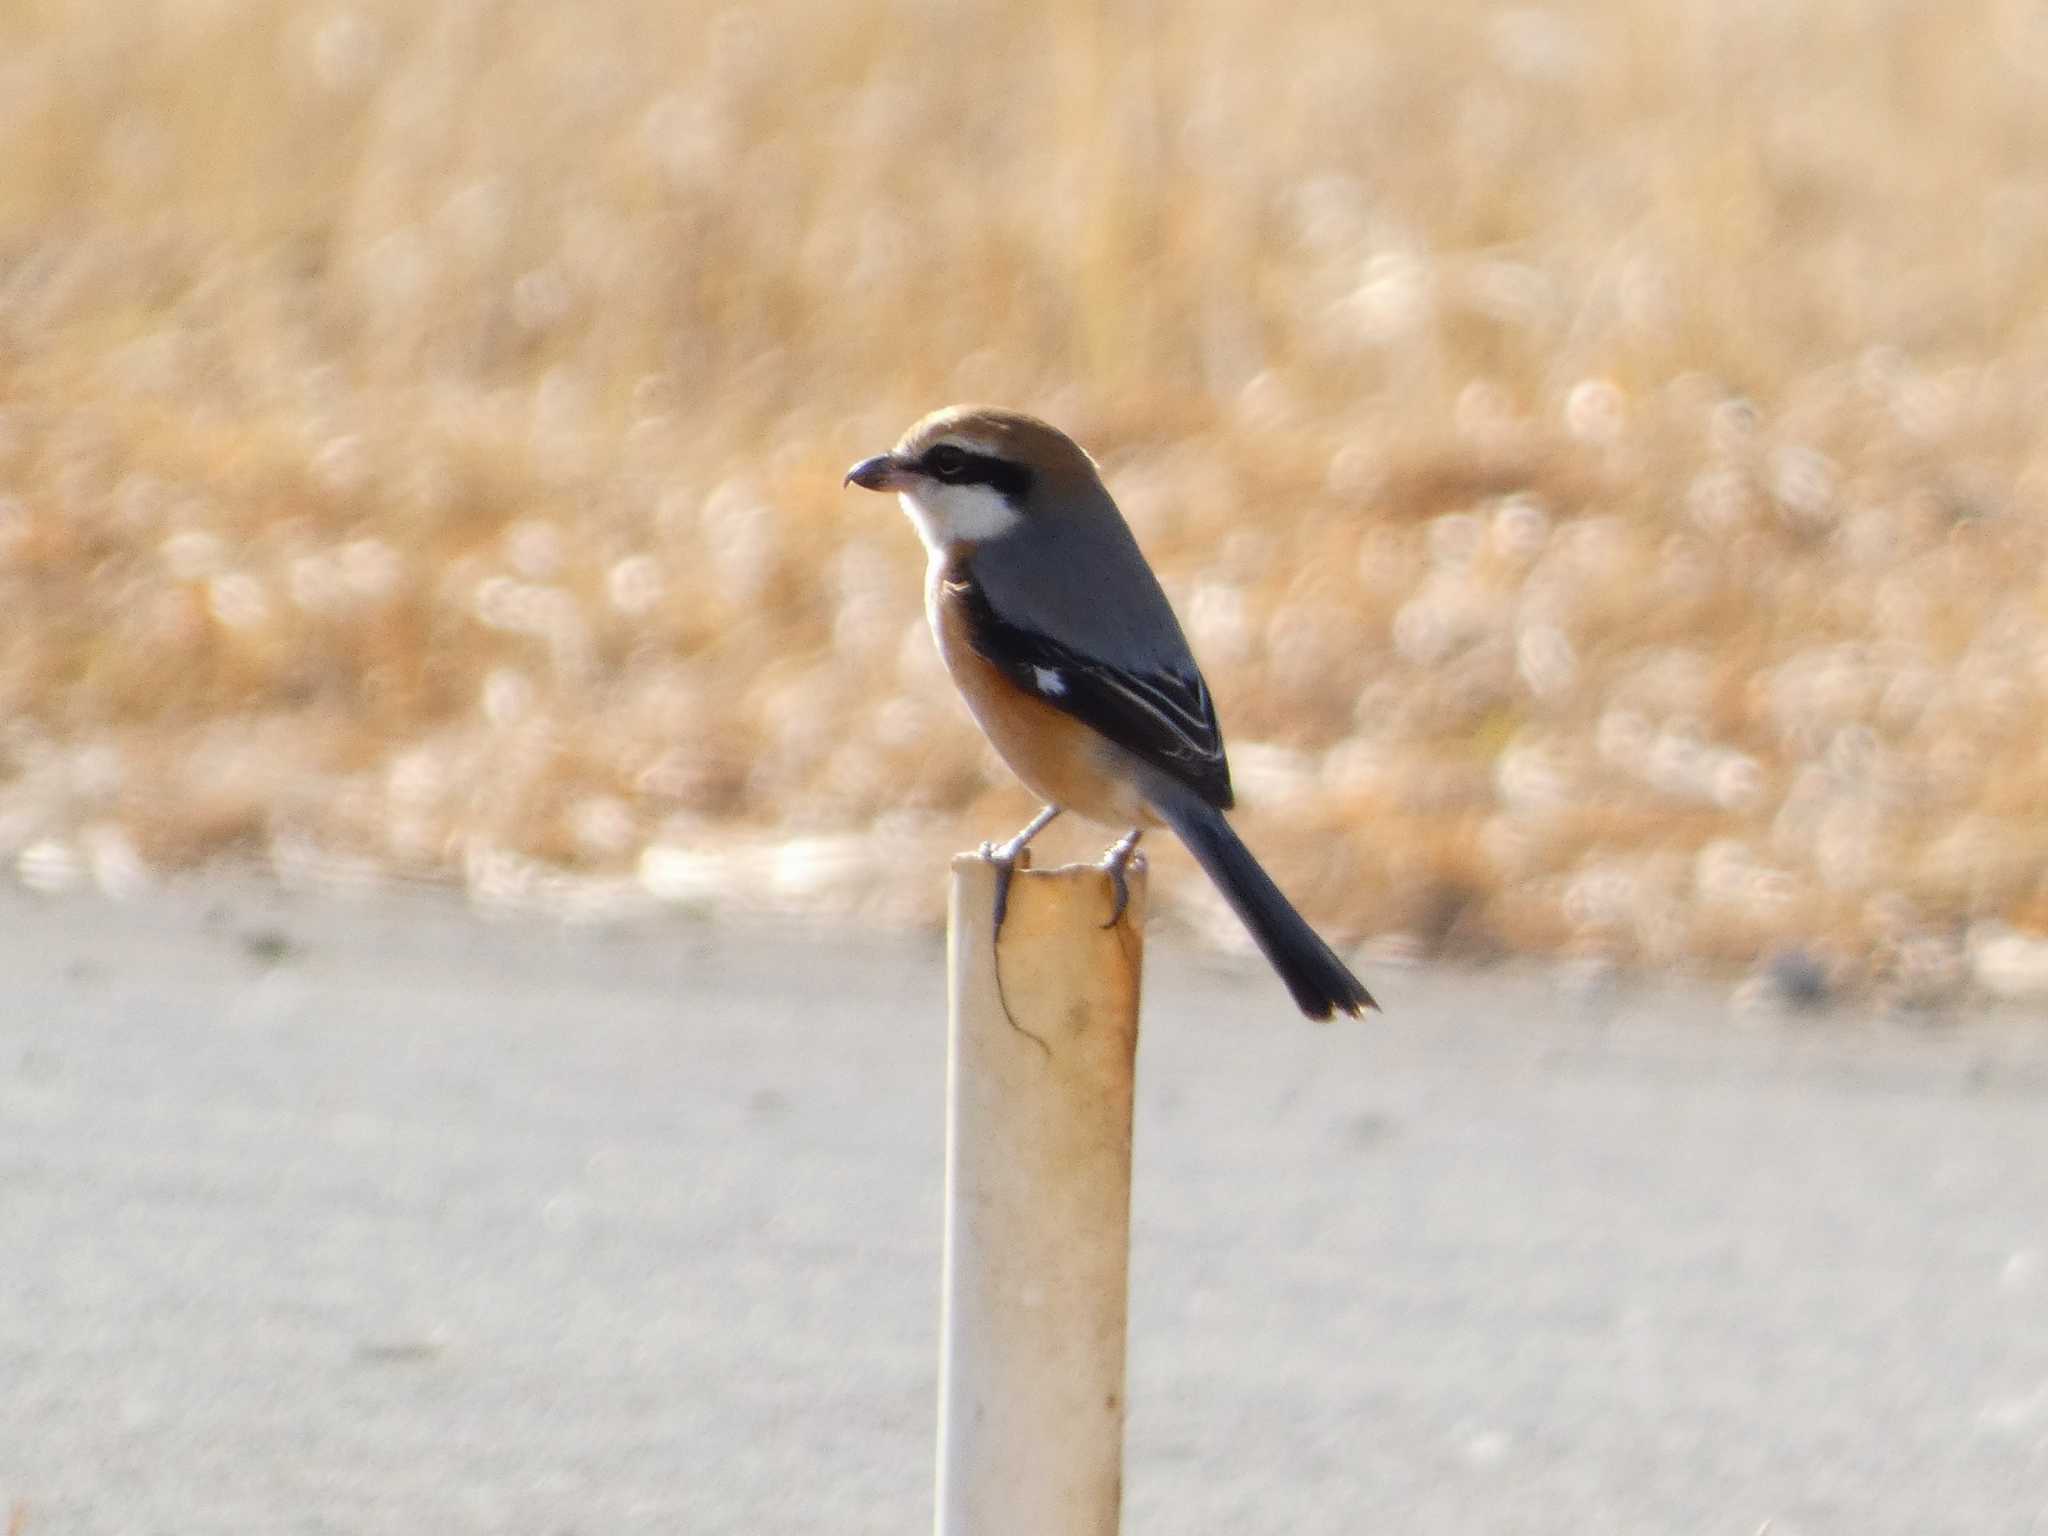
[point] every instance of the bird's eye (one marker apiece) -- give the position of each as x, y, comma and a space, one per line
946, 461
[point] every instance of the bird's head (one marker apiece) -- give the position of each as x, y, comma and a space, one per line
969, 474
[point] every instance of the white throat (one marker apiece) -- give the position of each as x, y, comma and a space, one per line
945, 515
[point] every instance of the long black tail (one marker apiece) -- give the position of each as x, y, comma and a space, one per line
1320, 982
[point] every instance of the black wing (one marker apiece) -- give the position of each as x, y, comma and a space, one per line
1163, 718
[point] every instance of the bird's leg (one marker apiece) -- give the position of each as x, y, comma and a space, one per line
1004, 857
1114, 862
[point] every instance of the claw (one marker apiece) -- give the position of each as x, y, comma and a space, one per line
1008, 858
1006, 871
1114, 863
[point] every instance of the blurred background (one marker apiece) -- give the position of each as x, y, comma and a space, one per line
1596, 449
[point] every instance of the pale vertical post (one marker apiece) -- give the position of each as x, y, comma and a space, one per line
1042, 1045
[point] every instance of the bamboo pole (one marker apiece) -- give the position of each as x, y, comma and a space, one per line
1038, 1199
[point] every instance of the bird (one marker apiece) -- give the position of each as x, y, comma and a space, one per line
1059, 637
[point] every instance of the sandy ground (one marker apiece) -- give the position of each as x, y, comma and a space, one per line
320, 1217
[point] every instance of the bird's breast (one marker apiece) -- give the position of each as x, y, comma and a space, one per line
1063, 761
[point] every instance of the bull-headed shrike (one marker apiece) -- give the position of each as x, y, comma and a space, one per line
1058, 636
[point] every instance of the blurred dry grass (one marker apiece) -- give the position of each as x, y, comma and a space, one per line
1598, 449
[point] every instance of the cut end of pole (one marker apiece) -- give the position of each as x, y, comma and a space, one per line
1062, 938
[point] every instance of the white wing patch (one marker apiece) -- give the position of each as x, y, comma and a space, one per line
1050, 683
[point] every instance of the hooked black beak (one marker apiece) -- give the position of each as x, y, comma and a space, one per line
881, 473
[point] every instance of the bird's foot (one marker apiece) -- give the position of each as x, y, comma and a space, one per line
1006, 859
1114, 863
1010, 857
